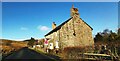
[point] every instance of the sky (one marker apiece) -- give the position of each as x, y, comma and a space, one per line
119, 14
23, 20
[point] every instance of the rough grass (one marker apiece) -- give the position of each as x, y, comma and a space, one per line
9, 46
74, 52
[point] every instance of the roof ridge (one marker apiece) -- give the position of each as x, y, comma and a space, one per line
58, 27
86, 23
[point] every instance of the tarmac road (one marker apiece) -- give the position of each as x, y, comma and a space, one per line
26, 53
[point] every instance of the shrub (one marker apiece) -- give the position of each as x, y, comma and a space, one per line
74, 52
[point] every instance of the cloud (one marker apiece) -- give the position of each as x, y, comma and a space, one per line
23, 28
43, 28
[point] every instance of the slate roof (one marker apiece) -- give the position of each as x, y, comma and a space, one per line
58, 27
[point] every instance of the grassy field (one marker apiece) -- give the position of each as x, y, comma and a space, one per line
9, 46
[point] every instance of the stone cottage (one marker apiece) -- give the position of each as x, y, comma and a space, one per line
72, 32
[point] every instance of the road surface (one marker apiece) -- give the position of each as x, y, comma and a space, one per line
26, 53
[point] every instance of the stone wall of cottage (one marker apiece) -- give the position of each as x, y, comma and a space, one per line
75, 33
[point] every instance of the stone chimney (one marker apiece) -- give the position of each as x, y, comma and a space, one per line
53, 25
74, 11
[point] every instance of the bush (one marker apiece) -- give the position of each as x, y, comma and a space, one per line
74, 52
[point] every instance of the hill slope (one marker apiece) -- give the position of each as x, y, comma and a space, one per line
8, 46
